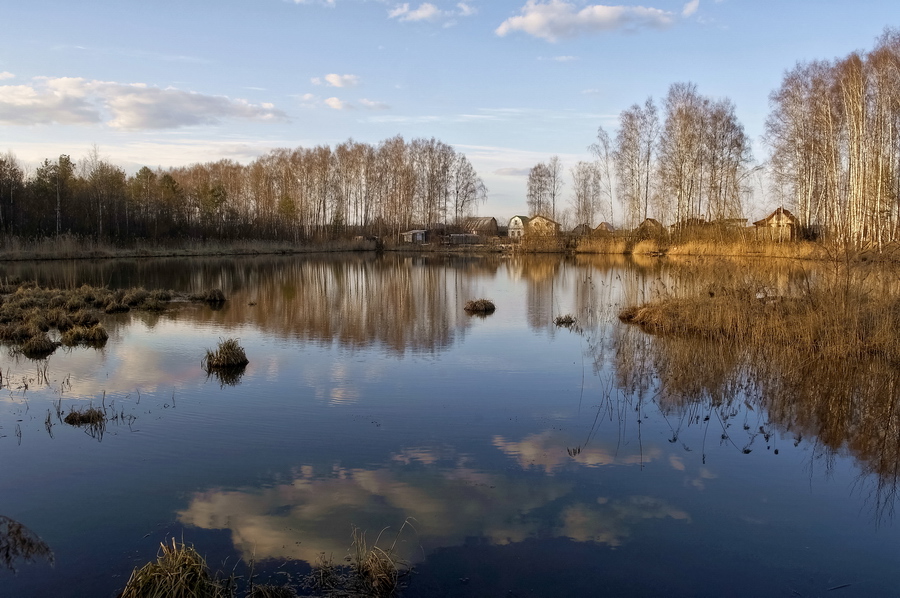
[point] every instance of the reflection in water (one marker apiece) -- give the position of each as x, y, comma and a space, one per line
447, 503
18, 544
844, 401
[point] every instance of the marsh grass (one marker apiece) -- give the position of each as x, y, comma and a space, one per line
29, 312
373, 571
228, 355
480, 306
565, 320
817, 351
179, 572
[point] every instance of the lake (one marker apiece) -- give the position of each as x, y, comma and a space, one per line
526, 458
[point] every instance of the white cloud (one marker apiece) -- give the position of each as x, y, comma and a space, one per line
425, 12
465, 10
76, 101
690, 8
429, 12
6, 75
373, 105
558, 19
336, 104
335, 80
560, 58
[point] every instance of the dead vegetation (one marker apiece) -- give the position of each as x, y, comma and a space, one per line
228, 355
480, 306
178, 572
36, 320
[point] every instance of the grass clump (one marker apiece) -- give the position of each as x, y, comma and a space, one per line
179, 572
85, 417
565, 321
229, 354
94, 336
38, 347
480, 306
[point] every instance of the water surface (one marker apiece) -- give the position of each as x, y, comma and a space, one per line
528, 459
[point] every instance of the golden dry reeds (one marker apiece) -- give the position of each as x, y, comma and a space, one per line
91, 416
179, 572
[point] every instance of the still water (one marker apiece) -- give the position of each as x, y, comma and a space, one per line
528, 459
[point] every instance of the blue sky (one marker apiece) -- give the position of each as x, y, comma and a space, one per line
507, 82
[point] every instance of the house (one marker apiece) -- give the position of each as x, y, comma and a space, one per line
415, 236
517, 225
582, 230
481, 226
650, 227
604, 227
780, 225
542, 226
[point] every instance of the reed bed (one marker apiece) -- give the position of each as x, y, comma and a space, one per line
29, 314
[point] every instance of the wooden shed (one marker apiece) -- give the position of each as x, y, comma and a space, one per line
780, 225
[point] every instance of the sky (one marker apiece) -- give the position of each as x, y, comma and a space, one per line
509, 83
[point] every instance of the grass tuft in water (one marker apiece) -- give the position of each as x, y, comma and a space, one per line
480, 306
229, 354
179, 572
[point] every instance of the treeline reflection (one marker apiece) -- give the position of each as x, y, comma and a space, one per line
821, 389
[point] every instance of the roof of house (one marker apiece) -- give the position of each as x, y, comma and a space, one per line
779, 213
524, 219
480, 222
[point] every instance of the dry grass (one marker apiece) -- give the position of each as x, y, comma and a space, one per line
91, 416
94, 336
179, 572
565, 321
480, 306
229, 354
38, 346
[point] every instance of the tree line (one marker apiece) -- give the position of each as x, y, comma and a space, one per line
285, 195
834, 130
692, 164
834, 137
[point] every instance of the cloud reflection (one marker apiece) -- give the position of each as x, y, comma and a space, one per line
447, 504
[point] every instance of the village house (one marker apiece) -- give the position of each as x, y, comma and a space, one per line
485, 226
582, 230
780, 225
516, 227
604, 227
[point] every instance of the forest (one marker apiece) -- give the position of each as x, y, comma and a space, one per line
833, 135
285, 195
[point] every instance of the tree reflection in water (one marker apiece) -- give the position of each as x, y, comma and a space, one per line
827, 371
20, 544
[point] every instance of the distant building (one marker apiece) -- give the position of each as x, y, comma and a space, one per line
517, 225
482, 226
582, 230
780, 225
543, 226
604, 227
650, 227
415, 236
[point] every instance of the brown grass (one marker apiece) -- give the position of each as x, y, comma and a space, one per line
229, 354
179, 572
91, 416
480, 306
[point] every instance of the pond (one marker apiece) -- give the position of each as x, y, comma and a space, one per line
525, 458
